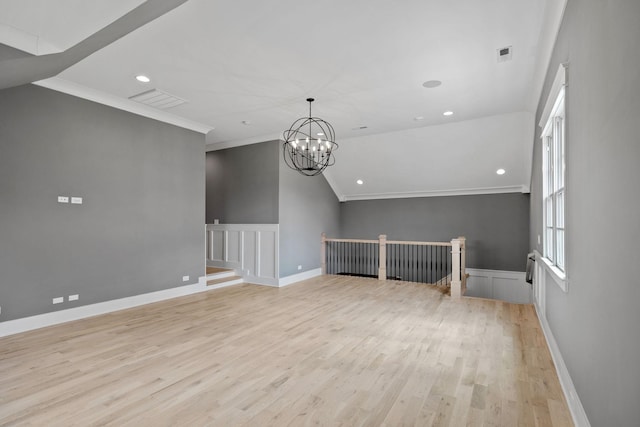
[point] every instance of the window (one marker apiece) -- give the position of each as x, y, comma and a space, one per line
553, 187
553, 174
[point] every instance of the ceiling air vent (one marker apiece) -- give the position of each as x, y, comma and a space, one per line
157, 99
505, 54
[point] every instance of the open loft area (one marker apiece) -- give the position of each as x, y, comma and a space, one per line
433, 251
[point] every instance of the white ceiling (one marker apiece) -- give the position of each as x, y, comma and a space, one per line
42, 27
363, 61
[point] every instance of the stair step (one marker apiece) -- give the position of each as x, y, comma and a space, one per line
223, 280
214, 270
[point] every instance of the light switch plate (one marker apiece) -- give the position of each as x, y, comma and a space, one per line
185, 278
76, 200
58, 300
74, 297
63, 199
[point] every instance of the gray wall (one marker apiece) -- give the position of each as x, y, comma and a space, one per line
596, 322
242, 184
141, 226
496, 225
308, 207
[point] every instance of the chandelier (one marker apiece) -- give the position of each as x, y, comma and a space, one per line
309, 144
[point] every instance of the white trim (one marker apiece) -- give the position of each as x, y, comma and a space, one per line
438, 193
571, 395
559, 83
224, 284
558, 276
529, 135
482, 283
294, 278
283, 281
254, 272
70, 88
262, 281
24, 324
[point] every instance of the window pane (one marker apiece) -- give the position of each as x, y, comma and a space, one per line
557, 153
560, 209
560, 153
548, 218
560, 249
551, 154
548, 244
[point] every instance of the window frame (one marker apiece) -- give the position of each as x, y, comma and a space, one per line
553, 142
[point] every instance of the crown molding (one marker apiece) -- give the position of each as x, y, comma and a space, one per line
436, 193
80, 91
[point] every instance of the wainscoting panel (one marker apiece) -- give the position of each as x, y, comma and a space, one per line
507, 286
249, 252
233, 242
250, 249
216, 248
267, 251
478, 286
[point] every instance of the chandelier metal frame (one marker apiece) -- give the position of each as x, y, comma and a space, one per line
309, 145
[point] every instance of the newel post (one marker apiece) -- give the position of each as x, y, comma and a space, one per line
323, 253
456, 276
382, 258
463, 263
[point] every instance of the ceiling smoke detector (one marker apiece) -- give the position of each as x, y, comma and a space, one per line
505, 53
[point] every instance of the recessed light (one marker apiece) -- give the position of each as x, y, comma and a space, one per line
447, 113
417, 119
430, 84
501, 171
143, 78
359, 182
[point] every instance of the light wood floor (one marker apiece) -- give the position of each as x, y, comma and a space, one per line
212, 270
329, 351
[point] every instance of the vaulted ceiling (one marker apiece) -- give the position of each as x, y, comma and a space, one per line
244, 69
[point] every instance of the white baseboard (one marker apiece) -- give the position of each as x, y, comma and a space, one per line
571, 395
285, 281
264, 281
16, 326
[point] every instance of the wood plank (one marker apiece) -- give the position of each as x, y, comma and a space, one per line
333, 350
214, 270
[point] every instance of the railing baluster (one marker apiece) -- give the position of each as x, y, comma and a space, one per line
422, 262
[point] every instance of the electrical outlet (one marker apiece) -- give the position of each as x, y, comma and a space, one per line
299, 267
76, 200
185, 278
58, 300
63, 199
74, 297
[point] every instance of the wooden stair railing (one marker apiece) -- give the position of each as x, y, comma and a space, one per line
451, 271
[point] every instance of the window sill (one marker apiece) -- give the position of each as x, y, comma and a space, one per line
559, 276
